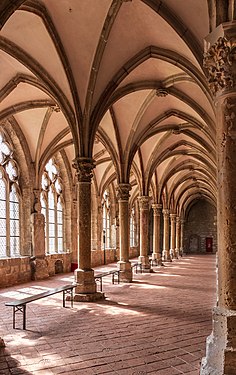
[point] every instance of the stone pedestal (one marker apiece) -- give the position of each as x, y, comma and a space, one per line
221, 344
125, 271
144, 228
166, 242
124, 264
86, 289
39, 265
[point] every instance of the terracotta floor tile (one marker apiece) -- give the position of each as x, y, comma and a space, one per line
157, 324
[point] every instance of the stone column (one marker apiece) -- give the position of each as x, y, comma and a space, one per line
124, 264
84, 276
38, 262
172, 235
181, 251
156, 255
221, 64
177, 243
166, 241
144, 229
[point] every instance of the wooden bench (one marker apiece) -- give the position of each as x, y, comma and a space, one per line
137, 266
20, 305
114, 273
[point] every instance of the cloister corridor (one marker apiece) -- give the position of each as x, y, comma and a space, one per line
157, 324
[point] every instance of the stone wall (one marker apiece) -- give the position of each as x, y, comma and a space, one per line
14, 271
199, 225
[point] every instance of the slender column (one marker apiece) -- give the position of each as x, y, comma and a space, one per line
166, 240
144, 228
124, 264
84, 276
177, 243
172, 235
39, 266
181, 251
156, 255
221, 64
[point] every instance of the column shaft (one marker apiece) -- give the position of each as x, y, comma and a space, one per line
124, 264
156, 255
173, 235
144, 231
166, 240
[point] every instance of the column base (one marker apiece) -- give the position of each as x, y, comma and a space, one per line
89, 297
221, 344
166, 256
2, 343
126, 275
144, 260
86, 288
156, 259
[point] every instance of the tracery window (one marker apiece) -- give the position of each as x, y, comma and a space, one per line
132, 228
9, 201
106, 220
52, 204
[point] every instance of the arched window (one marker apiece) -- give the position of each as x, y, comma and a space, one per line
9, 202
106, 220
132, 228
53, 207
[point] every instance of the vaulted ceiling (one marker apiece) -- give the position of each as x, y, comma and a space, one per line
121, 81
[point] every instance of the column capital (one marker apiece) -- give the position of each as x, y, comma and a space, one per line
156, 209
219, 58
123, 192
144, 202
166, 212
84, 168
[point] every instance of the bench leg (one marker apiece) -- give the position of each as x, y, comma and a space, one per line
24, 316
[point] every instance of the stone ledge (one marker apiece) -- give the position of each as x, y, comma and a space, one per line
89, 297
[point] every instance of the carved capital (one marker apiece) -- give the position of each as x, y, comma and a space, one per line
144, 202
166, 213
220, 62
123, 192
156, 209
84, 169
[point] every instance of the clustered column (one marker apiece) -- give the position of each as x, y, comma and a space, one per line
84, 275
221, 64
124, 263
144, 228
156, 255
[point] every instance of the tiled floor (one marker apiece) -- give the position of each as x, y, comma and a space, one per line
156, 325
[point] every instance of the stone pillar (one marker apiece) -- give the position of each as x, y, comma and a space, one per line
38, 262
124, 264
85, 289
166, 241
221, 64
156, 255
177, 243
144, 229
172, 235
181, 250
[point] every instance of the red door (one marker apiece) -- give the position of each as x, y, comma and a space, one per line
209, 244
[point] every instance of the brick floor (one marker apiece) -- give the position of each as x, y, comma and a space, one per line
156, 325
